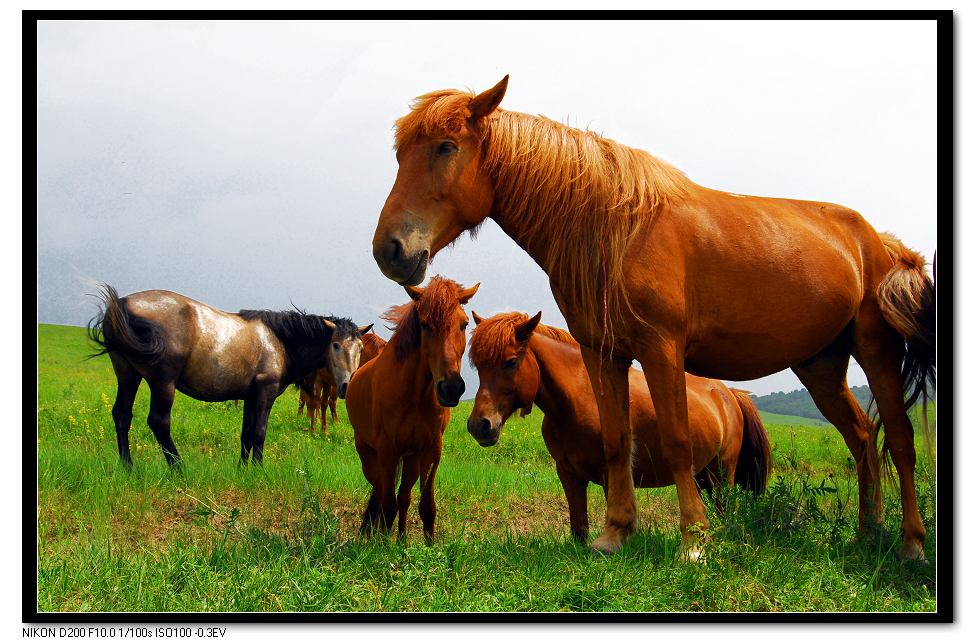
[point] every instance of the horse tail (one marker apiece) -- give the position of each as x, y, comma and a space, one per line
907, 302
117, 329
754, 466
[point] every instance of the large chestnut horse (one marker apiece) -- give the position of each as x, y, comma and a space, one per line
177, 343
647, 265
398, 403
521, 363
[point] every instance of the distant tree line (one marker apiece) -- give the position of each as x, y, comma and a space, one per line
800, 402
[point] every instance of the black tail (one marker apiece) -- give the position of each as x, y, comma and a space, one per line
754, 466
116, 329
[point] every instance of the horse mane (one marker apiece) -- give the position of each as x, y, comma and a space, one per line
435, 307
374, 341
492, 335
575, 198
293, 328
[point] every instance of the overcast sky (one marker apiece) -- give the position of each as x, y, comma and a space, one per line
245, 164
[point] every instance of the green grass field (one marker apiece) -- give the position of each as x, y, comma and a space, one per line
283, 537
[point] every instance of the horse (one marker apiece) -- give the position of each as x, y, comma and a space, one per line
521, 363
645, 264
399, 403
175, 343
318, 391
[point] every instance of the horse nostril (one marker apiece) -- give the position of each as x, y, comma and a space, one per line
343, 390
484, 427
393, 250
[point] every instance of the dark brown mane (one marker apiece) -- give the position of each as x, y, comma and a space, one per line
492, 335
435, 307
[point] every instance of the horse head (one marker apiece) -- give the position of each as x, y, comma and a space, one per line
441, 188
507, 370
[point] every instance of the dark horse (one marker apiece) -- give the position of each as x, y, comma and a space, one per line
176, 343
645, 264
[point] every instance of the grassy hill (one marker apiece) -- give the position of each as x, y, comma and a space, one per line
217, 537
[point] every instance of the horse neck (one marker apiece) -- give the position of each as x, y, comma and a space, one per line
559, 367
413, 372
304, 357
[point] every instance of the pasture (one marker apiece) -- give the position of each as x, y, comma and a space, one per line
216, 537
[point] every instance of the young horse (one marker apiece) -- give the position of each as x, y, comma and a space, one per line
521, 362
177, 343
646, 264
318, 390
397, 402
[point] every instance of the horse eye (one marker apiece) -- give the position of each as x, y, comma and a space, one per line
335, 346
446, 147
511, 362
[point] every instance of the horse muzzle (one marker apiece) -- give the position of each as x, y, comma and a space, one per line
343, 388
449, 390
483, 431
402, 254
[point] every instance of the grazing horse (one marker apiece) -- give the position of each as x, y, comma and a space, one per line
397, 403
521, 362
646, 264
318, 390
176, 343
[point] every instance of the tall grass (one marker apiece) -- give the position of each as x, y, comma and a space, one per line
283, 537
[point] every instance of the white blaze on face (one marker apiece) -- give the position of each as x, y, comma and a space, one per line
343, 359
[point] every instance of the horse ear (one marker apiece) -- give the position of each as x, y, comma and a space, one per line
486, 102
464, 296
525, 329
365, 329
477, 318
329, 324
415, 292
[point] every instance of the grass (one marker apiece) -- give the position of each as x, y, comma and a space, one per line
283, 537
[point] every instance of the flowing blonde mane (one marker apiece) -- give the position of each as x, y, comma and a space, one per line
573, 198
492, 335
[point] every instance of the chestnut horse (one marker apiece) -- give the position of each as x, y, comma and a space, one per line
177, 343
318, 391
645, 264
397, 403
521, 362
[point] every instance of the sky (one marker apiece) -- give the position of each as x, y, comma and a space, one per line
245, 164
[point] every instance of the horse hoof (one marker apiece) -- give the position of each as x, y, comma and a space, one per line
692, 555
913, 552
605, 546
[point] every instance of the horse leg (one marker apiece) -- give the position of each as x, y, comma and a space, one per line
664, 370
428, 504
824, 376
160, 406
880, 350
411, 472
262, 409
575, 496
370, 469
128, 385
387, 488
245, 430
333, 396
609, 378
